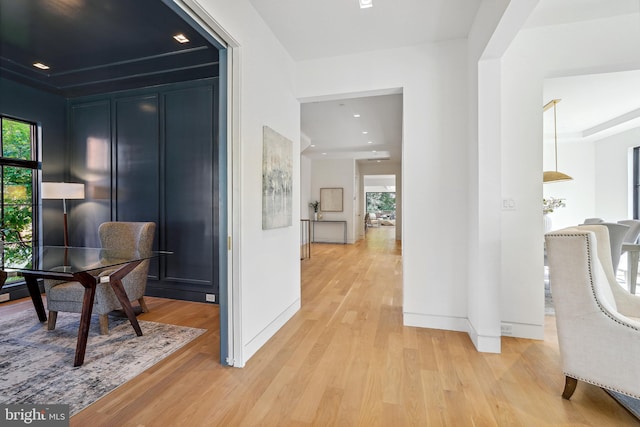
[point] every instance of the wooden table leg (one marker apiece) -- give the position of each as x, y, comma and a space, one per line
89, 282
115, 280
118, 289
34, 292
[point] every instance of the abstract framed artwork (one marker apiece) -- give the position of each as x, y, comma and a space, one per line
331, 199
277, 180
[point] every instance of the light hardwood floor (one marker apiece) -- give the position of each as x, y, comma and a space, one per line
346, 360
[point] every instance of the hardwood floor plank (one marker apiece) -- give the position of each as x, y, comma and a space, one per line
345, 359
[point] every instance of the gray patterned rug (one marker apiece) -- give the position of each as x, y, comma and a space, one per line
36, 365
632, 405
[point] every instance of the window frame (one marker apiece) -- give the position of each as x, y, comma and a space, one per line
35, 165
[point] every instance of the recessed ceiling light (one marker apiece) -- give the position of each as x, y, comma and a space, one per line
41, 66
324, 154
365, 4
313, 145
364, 132
356, 115
369, 142
374, 151
181, 38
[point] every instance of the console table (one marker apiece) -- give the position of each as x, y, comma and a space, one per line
328, 221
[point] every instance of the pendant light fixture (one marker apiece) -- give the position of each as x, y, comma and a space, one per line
554, 176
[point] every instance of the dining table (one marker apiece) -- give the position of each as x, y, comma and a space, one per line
88, 266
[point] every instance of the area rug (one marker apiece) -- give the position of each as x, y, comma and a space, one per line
632, 405
36, 365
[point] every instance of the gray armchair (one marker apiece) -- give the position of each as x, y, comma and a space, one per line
68, 296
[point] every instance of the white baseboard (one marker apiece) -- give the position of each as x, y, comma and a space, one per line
483, 343
448, 323
524, 330
251, 347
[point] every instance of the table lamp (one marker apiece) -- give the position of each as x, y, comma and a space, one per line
64, 191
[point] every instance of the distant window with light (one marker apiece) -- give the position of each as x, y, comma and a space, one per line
18, 206
381, 202
636, 183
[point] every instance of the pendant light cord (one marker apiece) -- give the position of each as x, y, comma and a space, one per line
555, 132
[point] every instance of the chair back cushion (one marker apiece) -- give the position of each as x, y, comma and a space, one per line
634, 230
127, 236
574, 270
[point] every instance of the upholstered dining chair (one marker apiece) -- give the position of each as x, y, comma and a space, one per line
124, 236
634, 230
593, 220
598, 321
617, 233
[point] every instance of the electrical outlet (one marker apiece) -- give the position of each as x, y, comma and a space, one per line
5, 297
506, 328
210, 298
508, 204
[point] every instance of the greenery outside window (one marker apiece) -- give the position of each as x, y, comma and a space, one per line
379, 202
18, 204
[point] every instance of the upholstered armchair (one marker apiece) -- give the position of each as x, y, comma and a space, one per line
597, 319
123, 236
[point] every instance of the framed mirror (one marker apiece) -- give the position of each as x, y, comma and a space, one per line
331, 199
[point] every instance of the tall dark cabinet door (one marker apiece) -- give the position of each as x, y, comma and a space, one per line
137, 172
188, 188
90, 163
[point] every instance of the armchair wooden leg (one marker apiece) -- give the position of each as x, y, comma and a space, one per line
104, 324
51, 323
143, 305
569, 387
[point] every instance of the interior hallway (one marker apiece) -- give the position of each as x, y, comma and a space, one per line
346, 359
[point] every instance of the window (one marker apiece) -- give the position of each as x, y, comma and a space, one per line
381, 203
636, 182
18, 172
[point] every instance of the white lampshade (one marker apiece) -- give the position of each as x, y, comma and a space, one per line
62, 190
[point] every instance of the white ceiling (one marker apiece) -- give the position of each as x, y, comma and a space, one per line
315, 29
593, 106
554, 12
379, 183
335, 132
321, 28
310, 30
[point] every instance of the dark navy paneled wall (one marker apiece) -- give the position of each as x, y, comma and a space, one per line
49, 112
144, 155
149, 155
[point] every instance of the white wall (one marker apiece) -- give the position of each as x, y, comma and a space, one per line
611, 44
269, 270
492, 30
613, 188
433, 79
334, 173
